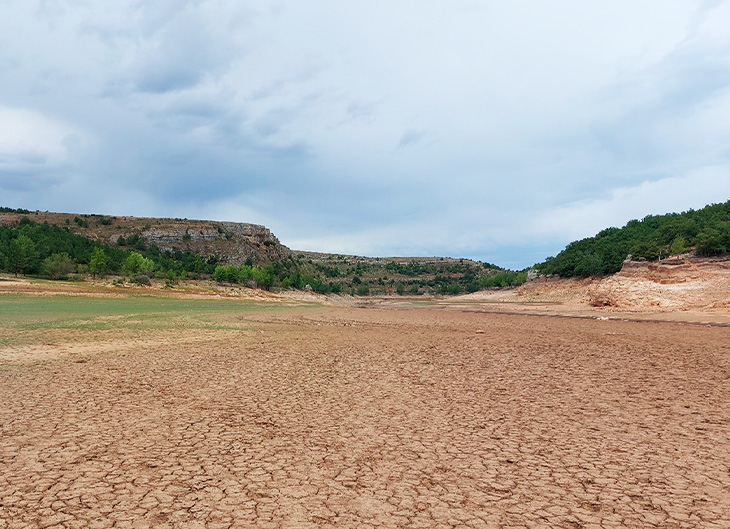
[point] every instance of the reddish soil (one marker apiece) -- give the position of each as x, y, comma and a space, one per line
347, 417
676, 289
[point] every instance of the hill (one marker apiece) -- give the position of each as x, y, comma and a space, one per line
683, 288
399, 275
706, 232
63, 244
222, 242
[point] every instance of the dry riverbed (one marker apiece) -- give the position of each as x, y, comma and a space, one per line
150, 412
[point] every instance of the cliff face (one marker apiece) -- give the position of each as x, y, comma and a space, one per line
676, 269
230, 242
676, 283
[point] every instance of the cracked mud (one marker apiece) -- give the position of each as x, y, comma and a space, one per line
326, 417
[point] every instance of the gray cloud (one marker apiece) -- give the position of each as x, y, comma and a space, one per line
410, 137
424, 127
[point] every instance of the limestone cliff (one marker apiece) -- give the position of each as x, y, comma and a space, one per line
230, 242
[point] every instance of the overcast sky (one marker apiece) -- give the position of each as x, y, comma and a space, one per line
494, 130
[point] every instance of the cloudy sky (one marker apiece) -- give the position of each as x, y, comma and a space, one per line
494, 130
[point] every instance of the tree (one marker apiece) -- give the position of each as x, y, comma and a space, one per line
22, 254
58, 266
678, 246
264, 277
711, 242
99, 264
137, 264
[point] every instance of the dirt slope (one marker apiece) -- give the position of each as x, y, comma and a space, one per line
675, 284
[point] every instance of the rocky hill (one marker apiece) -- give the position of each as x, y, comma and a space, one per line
675, 284
683, 282
230, 242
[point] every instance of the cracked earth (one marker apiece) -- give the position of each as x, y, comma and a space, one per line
372, 418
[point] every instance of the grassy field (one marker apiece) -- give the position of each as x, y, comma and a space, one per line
27, 320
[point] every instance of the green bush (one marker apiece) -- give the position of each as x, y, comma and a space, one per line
58, 266
503, 278
142, 280
245, 274
642, 250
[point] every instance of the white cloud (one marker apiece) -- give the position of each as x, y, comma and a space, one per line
674, 194
519, 123
34, 147
26, 133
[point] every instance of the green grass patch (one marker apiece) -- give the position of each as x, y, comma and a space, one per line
138, 313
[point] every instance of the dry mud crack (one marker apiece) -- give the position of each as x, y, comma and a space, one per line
376, 418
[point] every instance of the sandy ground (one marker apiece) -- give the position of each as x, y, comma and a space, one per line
355, 417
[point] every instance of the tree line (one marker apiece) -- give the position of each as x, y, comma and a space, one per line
53, 251
705, 231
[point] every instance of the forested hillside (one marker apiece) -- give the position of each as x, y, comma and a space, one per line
73, 250
706, 231
47, 249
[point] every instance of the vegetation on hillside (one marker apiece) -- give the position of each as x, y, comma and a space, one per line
327, 273
706, 230
54, 251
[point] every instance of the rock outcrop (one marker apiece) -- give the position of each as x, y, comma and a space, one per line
229, 242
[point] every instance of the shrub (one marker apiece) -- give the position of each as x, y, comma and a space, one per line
503, 278
645, 250
58, 266
142, 280
227, 274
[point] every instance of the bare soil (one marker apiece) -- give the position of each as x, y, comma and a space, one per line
675, 289
437, 416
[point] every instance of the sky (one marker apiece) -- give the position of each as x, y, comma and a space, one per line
498, 131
